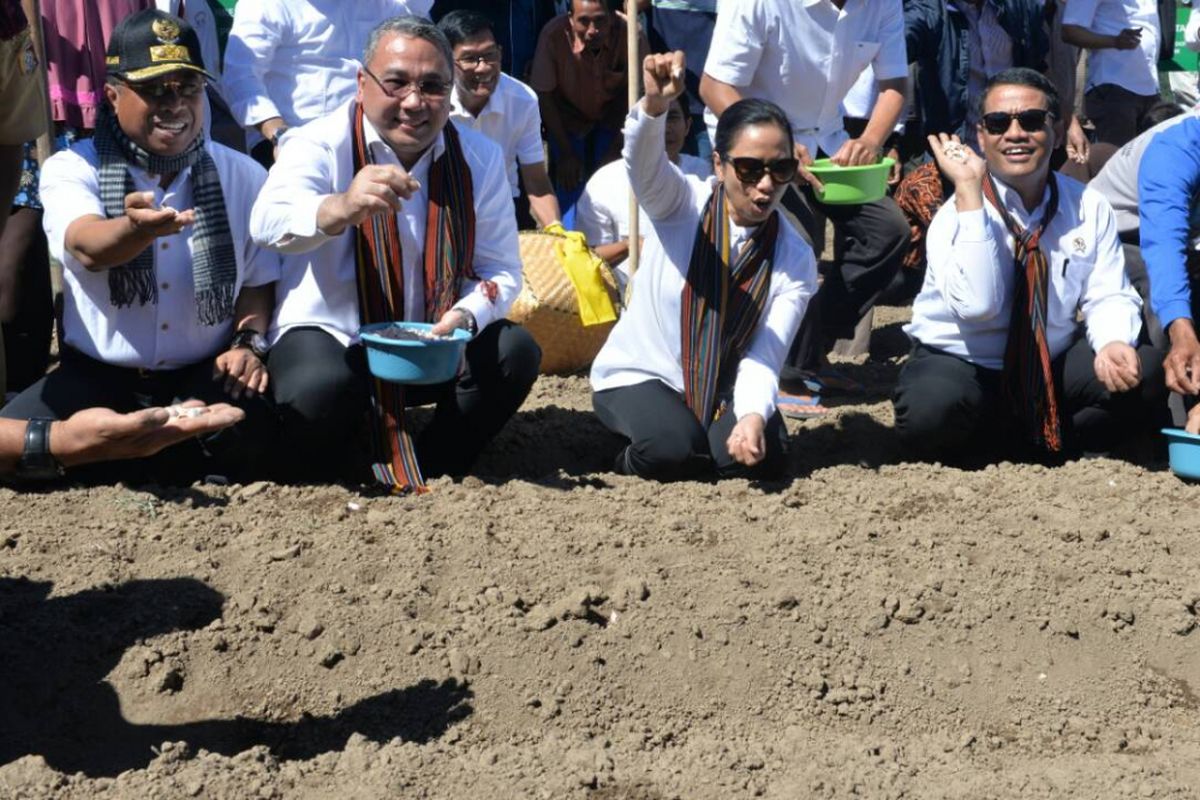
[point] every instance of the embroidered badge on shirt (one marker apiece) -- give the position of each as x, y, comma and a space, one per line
1080, 245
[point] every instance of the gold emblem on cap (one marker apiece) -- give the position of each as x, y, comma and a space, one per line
170, 52
166, 30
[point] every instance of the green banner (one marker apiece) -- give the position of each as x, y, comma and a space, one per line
1182, 60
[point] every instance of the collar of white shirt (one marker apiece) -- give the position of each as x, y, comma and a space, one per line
492, 106
1016, 207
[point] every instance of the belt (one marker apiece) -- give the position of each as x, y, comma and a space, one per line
69, 353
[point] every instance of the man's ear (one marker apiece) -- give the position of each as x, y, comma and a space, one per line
110, 93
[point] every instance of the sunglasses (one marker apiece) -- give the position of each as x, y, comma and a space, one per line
751, 170
1031, 120
161, 90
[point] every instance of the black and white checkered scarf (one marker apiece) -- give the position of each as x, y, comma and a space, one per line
214, 267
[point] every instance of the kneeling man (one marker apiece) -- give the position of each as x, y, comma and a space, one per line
1015, 257
165, 296
388, 213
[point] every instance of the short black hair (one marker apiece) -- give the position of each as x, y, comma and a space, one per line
463, 24
1158, 113
1023, 76
743, 114
571, 6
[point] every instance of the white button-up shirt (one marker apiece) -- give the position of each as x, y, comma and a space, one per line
512, 120
299, 59
646, 343
1136, 69
602, 213
965, 305
319, 282
805, 55
166, 334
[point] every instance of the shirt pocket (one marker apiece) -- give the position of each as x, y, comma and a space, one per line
1068, 275
860, 55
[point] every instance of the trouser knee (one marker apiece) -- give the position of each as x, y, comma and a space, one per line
670, 455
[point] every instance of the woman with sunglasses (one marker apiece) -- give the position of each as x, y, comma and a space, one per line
690, 373
1000, 365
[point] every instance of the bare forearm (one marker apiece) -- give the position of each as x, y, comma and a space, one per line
888, 108
12, 442
268, 126
543, 204
99, 244
614, 253
717, 95
1082, 37
254, 307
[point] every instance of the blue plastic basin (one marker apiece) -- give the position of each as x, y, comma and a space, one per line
401, 361
1184, 451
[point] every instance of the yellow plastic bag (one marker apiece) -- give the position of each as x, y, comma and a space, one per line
582, 268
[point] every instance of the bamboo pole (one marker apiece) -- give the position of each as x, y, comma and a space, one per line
635, 71
45, 142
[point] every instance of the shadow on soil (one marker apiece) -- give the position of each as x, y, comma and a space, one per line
54, 701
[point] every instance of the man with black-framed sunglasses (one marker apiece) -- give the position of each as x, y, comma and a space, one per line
1000, 367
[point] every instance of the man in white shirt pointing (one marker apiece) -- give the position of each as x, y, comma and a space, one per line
1014, 256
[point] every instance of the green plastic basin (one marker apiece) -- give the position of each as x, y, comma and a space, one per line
850, 186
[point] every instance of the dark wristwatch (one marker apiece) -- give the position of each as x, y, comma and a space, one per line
279, 132
252, 340
37, 463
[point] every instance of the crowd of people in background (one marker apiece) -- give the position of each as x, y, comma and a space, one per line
239, 185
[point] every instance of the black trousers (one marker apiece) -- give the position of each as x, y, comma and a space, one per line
668, 443
241, 451
322, 392
948, 408
26, 299
871, 242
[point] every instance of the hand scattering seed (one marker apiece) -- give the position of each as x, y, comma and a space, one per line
175, 412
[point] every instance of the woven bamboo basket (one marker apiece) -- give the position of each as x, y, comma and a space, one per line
549, 310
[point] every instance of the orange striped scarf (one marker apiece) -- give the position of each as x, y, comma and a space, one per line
449, 250
1028, 379
721, 307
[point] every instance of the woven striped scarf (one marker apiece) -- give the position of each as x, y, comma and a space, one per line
449, 251
721, 307
1028, 380
214, 267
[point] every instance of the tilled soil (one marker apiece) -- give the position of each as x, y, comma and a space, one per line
545, 628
